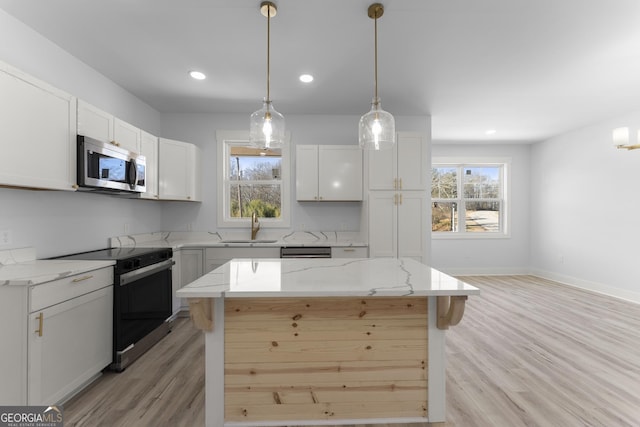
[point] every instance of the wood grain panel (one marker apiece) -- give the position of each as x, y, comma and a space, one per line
327, 411
331, 372
325, 358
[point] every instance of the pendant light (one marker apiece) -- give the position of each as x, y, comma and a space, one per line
377, 130
266, 126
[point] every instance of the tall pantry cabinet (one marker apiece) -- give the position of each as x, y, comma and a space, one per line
397, 198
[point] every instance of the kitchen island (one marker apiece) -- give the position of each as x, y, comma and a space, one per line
325, 341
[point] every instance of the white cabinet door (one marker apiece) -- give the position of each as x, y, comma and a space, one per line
412, 169
411, 223
126, 135
383, 169
37, 133
397, 224
349, 252
69, 343
340, 173
215, 257
178, 170
98, 124
176, 277
306, 172
328, 173
149, 149
191, 268
94, 122
383, 213
404, 167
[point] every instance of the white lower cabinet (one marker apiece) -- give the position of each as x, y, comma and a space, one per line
215, 257
73, 343
57, 336
397, 224
349, 252
191, 268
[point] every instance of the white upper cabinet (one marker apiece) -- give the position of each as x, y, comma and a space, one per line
37, 133
94, 123
179, 170
126, 135
149, 149
98, 124
404, 167
328, 173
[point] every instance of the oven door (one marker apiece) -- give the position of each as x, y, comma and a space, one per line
142, 302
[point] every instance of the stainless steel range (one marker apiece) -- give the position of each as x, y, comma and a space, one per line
142, 299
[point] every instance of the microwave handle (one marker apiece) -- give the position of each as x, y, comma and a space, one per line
133, 173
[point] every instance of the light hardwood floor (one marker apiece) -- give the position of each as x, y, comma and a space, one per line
528, 352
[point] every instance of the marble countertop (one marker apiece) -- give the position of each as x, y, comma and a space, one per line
36, 272
324, 278
268, 238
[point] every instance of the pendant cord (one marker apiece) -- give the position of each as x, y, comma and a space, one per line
268, 48
375, 26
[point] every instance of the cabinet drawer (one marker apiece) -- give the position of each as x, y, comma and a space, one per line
58, 291
350, 252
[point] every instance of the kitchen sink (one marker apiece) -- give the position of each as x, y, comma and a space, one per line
247, 241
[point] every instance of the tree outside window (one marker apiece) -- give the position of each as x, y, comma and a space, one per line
251, 180
468, 198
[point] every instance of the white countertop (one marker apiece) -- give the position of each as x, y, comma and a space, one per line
268, 238
36, 272
324, 278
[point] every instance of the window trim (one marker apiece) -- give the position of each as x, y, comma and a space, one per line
224, 140
505, 162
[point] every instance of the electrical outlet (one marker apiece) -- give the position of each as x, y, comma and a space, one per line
5, 237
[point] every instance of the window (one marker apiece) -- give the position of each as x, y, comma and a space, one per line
251, 180
468, 199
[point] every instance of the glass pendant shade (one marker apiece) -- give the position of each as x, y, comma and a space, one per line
377, 130
266, 127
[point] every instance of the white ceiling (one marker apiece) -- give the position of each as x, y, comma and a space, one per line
529, 69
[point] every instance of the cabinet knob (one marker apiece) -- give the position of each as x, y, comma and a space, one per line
115, 143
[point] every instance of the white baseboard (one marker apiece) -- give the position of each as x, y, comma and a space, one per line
587, 285
507, 271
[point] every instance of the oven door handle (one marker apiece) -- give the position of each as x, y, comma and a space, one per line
140, 273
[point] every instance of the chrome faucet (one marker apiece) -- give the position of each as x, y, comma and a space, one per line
255, 225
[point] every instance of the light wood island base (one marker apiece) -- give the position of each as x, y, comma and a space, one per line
325, 342
325, 358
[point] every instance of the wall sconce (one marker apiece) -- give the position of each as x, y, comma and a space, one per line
621, 139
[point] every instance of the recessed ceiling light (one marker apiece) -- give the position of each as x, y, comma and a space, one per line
490, 132
306, 78
197, 75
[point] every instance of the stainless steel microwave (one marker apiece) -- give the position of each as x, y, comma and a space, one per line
104, 167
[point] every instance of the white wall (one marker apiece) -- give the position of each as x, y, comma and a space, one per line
490, 256
585, 207
57, 223
201, 129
